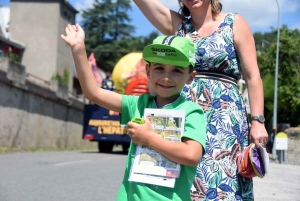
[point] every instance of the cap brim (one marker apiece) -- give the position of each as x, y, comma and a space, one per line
164, 54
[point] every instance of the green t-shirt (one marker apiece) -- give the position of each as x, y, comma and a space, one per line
194, 128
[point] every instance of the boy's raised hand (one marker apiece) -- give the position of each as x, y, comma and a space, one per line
74, 35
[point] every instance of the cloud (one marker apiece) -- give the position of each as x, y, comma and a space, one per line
79, 5
172, 4
289, 5
296, 26
82, 5
260, 14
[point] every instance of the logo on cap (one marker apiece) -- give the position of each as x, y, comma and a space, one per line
162, 50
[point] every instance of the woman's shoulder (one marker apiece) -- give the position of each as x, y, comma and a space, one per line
233, 19
224, 16
239, 22
234, 16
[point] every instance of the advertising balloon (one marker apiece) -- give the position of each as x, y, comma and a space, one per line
130, 66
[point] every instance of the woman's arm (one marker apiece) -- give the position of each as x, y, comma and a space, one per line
161, 17
245, 46
105, 98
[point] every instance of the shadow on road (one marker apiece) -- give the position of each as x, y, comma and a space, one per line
97, 152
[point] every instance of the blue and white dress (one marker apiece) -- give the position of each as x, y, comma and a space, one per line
215, 89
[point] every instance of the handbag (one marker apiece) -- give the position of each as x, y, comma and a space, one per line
253, 161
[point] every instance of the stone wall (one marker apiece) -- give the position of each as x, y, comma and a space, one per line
35, 115
292, 155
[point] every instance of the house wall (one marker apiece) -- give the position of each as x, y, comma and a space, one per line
34, 116
39, 25
64, 56
35, 24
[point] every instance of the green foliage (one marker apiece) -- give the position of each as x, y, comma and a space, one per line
288, 75
11, 52
64, 79
12, 56
109, 34
263, 40
107, 30
268, 85
140, 42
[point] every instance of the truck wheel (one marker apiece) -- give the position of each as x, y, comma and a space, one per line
105, 147
125, 147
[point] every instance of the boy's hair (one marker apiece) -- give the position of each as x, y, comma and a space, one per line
172, 50
191, 68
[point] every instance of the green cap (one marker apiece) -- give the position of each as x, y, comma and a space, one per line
172, 50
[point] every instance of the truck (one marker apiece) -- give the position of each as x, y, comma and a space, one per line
102, 125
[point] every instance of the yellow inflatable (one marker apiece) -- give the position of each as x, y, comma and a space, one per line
129, 66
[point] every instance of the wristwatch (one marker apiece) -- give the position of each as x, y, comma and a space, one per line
259, 118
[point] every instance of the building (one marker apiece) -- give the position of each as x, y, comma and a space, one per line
37, 111
38, 24
8, 47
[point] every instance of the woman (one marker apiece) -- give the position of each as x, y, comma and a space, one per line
225, 46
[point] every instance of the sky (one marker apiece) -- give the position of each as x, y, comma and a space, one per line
260, 14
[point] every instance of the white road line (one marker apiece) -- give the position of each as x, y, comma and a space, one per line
71, 162
109, 157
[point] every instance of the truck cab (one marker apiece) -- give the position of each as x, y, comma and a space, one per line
103, 126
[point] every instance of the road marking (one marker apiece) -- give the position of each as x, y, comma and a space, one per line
109, 157
71, 162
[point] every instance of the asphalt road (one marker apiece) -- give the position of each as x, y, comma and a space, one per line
89, 176
60, 176
281, 184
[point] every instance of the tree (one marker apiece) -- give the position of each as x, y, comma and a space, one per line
288, 76
109, 33
263, 40
107, 29
142, 41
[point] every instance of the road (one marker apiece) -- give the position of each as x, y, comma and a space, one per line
281, 183
60, 176
88, 176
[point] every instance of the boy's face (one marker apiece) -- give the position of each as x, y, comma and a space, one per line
167, 80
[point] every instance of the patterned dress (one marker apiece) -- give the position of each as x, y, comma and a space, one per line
215, 90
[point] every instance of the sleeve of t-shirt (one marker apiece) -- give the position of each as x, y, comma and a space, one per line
195, 127
133, 106
127, 111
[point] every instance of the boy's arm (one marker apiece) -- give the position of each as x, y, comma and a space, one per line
188, 152
105, 98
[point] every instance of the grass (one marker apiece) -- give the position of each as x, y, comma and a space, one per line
14, 150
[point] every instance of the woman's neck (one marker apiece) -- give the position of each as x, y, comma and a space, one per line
201, 17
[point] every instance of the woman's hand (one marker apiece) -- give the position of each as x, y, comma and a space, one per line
140, 133
258, 134
75, 36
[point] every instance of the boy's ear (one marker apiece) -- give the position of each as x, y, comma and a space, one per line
148, 70
191, 77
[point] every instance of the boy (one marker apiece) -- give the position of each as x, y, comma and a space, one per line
170, 66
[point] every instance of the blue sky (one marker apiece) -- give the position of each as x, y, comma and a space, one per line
260, 14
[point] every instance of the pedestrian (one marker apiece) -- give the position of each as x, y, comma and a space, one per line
168, 73
225, 48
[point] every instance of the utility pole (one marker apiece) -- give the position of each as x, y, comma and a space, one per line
276, 87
